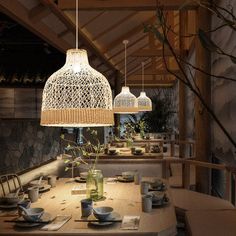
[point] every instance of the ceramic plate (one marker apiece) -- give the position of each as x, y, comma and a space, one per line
46, 217
80, 180
35, 183
124, 180
113, 216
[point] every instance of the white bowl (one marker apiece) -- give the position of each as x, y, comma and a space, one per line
33, 214
83, 175
101, 213
156, 196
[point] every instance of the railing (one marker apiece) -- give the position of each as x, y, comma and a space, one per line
228, 171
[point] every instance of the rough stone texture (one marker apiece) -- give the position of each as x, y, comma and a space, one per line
25, 144
223, 91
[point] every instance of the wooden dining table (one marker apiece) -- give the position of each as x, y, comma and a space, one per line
124, 198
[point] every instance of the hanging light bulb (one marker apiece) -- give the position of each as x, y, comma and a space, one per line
77, 95
144, 102
125, 102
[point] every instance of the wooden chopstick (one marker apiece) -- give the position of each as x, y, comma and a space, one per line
99, 221
24, 221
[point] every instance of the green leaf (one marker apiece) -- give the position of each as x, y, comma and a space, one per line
67, 168
77, 163
206, 41
62, 136
66, 161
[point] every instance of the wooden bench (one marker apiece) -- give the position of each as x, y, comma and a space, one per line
186, 200
211, 223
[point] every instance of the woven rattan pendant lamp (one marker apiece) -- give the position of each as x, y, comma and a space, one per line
77, 95
144, 102
125, 102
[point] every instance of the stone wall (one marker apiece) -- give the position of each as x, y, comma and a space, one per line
25, 144
223, 91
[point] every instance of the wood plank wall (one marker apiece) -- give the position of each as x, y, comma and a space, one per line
21, 103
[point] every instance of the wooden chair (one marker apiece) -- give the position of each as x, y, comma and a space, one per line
9, 183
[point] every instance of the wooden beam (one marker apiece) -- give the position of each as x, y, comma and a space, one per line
129, 45
150, 71
113, 26
20, 14
70, 25
38, 12
152, 52
130, 5
150, 84
92, 19
128, 34
202, 117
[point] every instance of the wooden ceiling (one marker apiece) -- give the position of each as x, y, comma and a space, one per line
103, 25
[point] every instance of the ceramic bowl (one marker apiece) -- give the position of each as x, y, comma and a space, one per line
156, 196
156, 183
83, 175
128, 175
101, 213
112, 151
34, 214
138, 151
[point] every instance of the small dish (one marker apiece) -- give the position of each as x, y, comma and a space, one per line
23, 224
83, 175
112, 216
102, 213
80, 180
125, 180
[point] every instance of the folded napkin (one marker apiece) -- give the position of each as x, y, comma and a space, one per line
57, 223
130, 222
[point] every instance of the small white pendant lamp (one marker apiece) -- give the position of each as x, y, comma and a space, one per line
125, 102
144, 102
77, 95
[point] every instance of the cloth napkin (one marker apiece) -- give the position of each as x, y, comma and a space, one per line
57, 223
130, 222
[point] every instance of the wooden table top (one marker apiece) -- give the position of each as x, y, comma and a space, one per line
125, 198
211, 222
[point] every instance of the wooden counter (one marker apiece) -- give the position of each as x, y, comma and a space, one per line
125, 198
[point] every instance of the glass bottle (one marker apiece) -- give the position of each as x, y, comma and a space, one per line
94, 185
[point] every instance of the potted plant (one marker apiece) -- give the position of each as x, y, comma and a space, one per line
90, 150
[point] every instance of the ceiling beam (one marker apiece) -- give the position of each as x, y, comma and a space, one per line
150, 71
113, 26
127, 35
71, 26
134, 5
153, 53
149, 83
38, 12
20, 14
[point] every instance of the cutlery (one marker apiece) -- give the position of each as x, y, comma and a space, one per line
32, 222
98, 221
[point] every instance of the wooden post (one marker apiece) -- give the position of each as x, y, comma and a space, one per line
117, 90
186, 175
183, 19
228, 194
172, 148
202, 119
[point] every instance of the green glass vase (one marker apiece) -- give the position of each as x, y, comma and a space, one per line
94, 185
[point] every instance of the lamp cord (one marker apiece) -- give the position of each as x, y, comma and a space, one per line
77, 25
125, 42
143, 76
